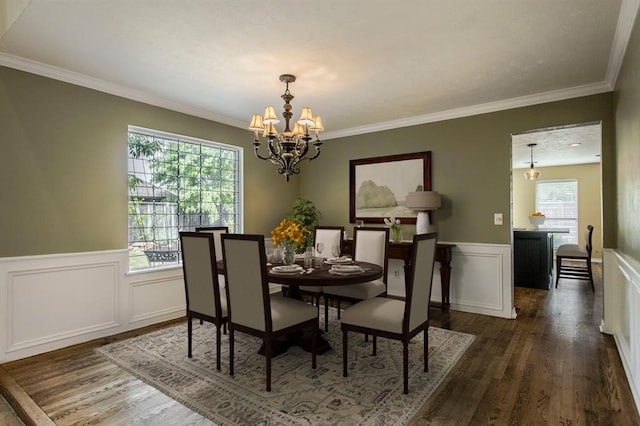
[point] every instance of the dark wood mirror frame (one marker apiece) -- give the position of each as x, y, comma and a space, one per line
385, 163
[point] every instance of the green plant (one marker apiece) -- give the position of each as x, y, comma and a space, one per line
305, 213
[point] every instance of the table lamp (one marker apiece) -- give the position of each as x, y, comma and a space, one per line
422, 202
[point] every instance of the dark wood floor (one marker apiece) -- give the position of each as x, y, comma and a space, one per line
550, 366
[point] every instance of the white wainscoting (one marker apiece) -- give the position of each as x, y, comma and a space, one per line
50, 302
622, 312
481, 279
53, 301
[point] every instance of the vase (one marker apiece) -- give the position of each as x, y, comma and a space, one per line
288, 254
395, 235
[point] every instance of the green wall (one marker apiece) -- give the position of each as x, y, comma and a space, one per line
64, 186
627, 113
471, 166
63, 176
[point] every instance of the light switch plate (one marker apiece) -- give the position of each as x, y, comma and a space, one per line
497, 219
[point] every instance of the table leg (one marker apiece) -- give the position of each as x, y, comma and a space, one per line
445, 282
299, 338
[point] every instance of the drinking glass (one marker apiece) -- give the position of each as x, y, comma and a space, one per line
308, 257
335, 250
319, 248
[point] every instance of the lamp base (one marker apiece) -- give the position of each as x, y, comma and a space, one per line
423, 225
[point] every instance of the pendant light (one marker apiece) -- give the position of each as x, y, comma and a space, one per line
532, 173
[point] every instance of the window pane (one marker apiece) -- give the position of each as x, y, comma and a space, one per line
558, 200
176, 184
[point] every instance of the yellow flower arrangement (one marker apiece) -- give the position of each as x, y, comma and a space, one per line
289, 234
288, 231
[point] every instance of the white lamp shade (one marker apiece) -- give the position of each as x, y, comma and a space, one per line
306, 118
317, 124
423, 200
256, 122
270, 116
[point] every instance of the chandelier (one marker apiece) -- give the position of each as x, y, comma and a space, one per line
532, 173
288, 148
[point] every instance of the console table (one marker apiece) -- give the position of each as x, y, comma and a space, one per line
402, 250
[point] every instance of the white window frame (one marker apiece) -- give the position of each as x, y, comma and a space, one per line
239, 190
572, 225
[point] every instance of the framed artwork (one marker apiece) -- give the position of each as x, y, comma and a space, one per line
378, 186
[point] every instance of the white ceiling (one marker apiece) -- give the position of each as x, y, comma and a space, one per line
363, 66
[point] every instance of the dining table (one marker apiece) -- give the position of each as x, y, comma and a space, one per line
322, 276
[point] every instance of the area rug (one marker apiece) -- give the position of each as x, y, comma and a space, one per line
370, 395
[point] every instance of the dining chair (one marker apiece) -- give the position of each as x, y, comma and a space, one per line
398, 319
217, 231
205, 299
329, 236
370, 245
575, 252
251, 309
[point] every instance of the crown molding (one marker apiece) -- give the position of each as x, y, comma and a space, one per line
539, 98
626, 19
78, 79
61, 74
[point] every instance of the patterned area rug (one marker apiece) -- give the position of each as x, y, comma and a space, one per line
372, 394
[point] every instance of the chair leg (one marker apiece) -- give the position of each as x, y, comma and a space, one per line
375, 345
189, 335
558, 268
338, 308
267, 353
405, 366
231, 345
344, 353
426, 349
593, 288
218, 345
314, 345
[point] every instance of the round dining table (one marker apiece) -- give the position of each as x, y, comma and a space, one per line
317, 277
324, 277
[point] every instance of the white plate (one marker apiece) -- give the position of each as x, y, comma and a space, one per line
334, 272
346, 268
287, 268
296, 272
338, 260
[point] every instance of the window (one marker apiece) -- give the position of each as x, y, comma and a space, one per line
558, 200
177, 183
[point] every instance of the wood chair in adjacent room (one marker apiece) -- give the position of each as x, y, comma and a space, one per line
397, 319
575, 252
251, 309
370, 245
205, 299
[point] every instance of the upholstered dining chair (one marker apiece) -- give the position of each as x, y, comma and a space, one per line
575, 252
397, 319
205, 299
251, 309
330, 236
370, 245
217, 232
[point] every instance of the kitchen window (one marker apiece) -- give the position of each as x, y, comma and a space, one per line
558, 200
